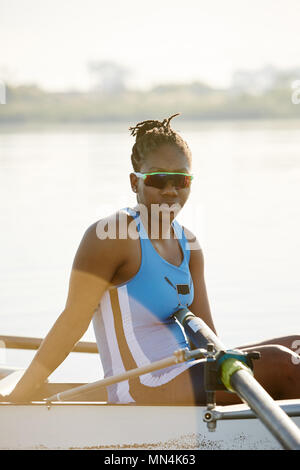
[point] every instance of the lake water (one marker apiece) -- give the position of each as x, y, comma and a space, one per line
244, 209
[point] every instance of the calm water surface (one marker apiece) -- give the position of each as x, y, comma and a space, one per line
244, 209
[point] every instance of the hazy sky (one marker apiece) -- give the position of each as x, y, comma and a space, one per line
50, 42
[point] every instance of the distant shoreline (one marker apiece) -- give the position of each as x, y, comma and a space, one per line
122, 126
195, 103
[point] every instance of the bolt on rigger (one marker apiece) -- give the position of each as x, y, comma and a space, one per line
296, 348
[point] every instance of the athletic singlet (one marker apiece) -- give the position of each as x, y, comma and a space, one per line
133, 324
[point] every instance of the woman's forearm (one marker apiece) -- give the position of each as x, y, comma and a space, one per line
54, 349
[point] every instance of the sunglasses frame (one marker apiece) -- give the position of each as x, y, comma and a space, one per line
144, 175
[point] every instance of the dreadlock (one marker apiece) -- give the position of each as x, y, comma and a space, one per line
152, 134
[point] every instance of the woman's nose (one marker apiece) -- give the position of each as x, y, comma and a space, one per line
169, 189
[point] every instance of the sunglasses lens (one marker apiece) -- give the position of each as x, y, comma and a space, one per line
185, 181
156, 181
159, 181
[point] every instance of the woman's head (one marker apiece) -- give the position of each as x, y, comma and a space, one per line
159, 149
150, 135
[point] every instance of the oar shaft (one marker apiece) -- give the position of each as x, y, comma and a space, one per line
24, 342
246, 387
197, 330
63, 396
274, 418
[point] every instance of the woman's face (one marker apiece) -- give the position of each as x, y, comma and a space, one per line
166, 158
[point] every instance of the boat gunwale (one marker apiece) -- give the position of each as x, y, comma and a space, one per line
228, 412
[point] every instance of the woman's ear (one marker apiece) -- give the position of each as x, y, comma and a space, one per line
133, 182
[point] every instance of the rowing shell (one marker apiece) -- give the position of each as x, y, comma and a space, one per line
97, 425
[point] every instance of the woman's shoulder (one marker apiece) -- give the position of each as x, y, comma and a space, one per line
104, 241
113, 227
191, 239
196, 262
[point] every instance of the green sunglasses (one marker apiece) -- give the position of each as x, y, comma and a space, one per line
159, 179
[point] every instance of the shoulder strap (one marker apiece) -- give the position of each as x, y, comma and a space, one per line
179, 232
142, 232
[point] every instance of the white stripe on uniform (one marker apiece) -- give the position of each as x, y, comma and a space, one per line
116, 359
138, 355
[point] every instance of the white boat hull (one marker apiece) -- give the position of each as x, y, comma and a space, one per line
101, 426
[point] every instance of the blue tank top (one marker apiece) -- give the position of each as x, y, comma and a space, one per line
133, 323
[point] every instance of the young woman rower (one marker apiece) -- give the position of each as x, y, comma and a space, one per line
131, 272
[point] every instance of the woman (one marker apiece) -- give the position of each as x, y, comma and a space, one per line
131, 272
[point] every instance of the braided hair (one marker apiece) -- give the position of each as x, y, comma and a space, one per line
152, 134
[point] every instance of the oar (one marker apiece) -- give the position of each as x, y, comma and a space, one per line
236, 376
179, 356
24, 342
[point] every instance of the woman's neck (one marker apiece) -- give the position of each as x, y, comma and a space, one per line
157, 222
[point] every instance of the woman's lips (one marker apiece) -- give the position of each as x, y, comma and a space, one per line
170, 203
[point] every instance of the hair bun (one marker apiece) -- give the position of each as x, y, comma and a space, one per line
142, 127
150, 135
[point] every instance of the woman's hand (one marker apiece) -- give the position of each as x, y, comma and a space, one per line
5, 398
12, 398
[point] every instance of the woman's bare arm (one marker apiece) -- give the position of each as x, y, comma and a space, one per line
200, 306
94, 265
